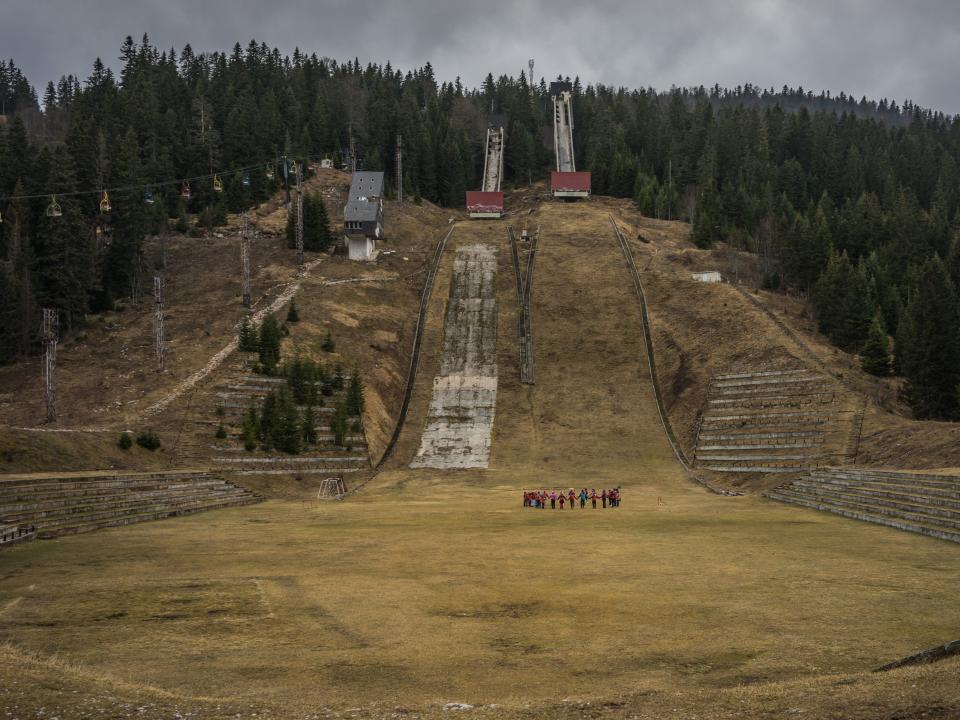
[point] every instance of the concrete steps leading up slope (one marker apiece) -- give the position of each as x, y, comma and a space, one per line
65, 504
773, 421
917, 502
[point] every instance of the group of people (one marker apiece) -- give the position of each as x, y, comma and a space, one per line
542, 498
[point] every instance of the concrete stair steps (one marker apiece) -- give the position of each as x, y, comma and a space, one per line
66, 510
761, 374
296, 461
890, 477
757, 458
239, 409
945, 493
89, 525
932, 530
811, 435
753, 445
787, 416
56, 478
38, 489
13, 501
765, 469
786, 401
776, 391
770, 382
325, 471
947, 515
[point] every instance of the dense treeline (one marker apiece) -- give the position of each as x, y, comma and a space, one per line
852, 202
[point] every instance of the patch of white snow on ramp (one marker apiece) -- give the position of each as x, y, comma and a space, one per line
462, 409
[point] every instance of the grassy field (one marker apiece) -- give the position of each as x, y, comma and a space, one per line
429, 588
426, 591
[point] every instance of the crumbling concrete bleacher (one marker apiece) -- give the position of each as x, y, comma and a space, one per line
234, 398
69, 503
918, 502
773, 421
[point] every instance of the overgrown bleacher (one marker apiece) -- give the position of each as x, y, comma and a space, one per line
918, 502
773, 421
70, 503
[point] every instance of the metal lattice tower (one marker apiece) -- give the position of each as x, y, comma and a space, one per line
50, 334
158, 321
299, 215
245, 264
399, 167
530, 79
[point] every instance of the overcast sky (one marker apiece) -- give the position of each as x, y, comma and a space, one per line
880, 48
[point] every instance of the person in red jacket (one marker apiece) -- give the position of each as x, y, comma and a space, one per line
562, 500
572, 498
603, 497
593, 498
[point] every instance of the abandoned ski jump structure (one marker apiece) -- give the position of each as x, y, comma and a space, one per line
565, 181
488, 202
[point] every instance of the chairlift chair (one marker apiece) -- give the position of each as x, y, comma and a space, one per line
246, 178
105, 205
148, 198
185, 190
53, 209
269, 173
217, 184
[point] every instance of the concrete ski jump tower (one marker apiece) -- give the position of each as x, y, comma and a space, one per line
488, 202
565, 181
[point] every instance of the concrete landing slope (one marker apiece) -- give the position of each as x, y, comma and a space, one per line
463, 403
592, 415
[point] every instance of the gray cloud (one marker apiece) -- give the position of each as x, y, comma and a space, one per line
878, 48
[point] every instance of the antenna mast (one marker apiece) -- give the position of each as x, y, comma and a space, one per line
530, 79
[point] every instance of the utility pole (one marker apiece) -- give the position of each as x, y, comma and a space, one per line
245, 264
530, 79
286, 182
299, 216
353, 152
50, 334
158, 321
399, 167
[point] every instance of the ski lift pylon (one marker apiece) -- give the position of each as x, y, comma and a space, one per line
185, 190
217, 184
53, 209
105, 205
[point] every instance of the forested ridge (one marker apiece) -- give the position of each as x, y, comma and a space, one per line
853, 202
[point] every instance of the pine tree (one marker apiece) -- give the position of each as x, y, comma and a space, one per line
928, 345
248, 340
875, 358
269, 344
355, 398
309, 426
292, 314
251, 429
